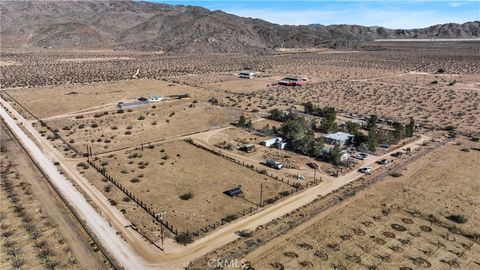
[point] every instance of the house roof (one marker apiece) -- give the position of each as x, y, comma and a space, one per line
246, 72
339, 136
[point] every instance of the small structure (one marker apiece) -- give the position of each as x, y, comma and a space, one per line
233, 192
281, 145
249, 148
291, 80
155, 99
340, 138
246, 74
271, 142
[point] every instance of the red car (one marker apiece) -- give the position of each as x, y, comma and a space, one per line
312, 165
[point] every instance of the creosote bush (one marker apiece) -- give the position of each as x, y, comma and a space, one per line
186, 196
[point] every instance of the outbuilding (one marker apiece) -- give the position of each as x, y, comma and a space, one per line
271, 142
246, 74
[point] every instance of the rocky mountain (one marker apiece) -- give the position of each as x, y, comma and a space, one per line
152, 26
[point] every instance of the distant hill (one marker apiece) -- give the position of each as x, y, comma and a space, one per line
151, 26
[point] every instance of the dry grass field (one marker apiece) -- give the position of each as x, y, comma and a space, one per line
162, 174
402, 224
51, 101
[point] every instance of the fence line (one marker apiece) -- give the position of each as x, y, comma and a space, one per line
137, 200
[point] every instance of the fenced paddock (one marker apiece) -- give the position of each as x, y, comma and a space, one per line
160, 175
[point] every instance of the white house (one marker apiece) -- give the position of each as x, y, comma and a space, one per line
340, 138
246, 74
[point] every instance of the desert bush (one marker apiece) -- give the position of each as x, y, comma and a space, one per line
396, 174
245, 233
230, 218
183, 239
458, 218
107, 188
186, 196
135, 180
141, 117
94, 125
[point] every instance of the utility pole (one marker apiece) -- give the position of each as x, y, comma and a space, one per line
161, 229
261, 194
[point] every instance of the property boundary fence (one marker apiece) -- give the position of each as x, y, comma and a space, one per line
132, 196
246, 165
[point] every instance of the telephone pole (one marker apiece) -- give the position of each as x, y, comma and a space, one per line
261, 194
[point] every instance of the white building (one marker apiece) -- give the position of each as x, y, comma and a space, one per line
246, 74
339, 138
272, 141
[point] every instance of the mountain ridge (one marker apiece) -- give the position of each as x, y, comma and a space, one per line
186, 29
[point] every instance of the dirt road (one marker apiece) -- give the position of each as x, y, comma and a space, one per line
104, 232
135, 253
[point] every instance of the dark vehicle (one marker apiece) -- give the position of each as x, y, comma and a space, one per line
312, 165
397, 154
383, 162
361, 156
274, 164
384, 145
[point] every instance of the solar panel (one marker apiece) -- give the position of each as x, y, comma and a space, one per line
233, 192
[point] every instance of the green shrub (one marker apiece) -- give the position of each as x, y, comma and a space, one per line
183, 239
186, 196
458, 218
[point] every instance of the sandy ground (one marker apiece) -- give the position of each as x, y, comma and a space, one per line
73, 249
51, 101
401, 223
172, 169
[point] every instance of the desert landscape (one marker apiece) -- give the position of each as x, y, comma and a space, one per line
226, 142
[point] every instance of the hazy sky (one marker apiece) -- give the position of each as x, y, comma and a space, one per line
391, 14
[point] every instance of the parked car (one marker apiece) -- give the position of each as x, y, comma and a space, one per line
384, 145
312, 165
397, 154
274, 164
365, 170
361, 156
383, 161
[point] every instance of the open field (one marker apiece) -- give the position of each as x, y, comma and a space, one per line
401, 224
66, 100
161, 174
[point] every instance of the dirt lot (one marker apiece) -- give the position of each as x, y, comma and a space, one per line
160, 175
230, 140
401, 224
53, 101
106, 131
236, 85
